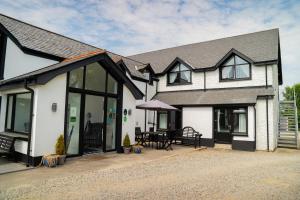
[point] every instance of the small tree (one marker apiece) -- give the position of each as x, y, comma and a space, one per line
126, 141
60, 145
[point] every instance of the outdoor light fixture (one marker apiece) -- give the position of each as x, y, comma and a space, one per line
54, 107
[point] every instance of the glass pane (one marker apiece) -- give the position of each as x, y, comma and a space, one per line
242, 71
174, 77
111, 123
183, 67
227, 72
9, 112
230, 61
176, 68
93, 123
73, 124
22, 113
223, 120
95, 77
76, 78
163, 120
112, 85
239, 60
185, 76
240, 123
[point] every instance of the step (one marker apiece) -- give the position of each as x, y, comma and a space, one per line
287, 137
287, 134
288, 146
293, 142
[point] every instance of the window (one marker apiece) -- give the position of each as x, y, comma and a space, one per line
240, 121
76, 78
180, 74
162, 120
95, 77
235, 68
18, 112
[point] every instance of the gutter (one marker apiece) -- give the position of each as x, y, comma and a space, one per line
30, 122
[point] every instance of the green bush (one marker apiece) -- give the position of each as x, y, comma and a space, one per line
60, 145
126, 141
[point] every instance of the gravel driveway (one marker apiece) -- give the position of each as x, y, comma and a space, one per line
205, 174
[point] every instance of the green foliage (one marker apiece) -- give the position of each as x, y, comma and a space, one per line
288, 95
60, 145
126, 141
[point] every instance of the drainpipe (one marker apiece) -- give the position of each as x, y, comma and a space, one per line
146, 110
267, 112
254, 126
30, 121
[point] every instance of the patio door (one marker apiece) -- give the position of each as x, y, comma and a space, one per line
229, 121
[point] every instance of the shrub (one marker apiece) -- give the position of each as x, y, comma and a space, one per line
126, 141
60, 145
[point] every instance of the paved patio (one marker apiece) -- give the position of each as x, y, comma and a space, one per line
7, 166
180, 174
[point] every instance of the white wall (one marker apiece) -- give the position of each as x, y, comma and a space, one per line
48, 125
200, 118
129, 102
212, 80
261, 125
17, 62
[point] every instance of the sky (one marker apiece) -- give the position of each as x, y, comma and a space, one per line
131, 27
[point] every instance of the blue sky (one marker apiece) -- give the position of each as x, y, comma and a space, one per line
130, 27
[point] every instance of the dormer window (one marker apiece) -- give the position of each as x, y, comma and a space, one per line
179, 75
235, 68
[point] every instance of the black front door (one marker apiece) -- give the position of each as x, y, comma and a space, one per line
223, 125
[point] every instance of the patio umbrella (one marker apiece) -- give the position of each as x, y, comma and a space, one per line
156, 105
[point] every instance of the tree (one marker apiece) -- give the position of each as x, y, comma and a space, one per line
289, 96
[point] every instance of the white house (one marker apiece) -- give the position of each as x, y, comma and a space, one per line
227, 89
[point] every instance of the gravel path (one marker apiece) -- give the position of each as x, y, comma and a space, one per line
205, 174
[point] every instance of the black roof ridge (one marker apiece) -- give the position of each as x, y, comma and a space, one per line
58, 34
196, 43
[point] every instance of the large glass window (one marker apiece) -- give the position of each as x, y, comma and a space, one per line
112, 85
76, 78
162, 120
18, 112
111, 120
235, 68
95, 77
240, 121
180, 74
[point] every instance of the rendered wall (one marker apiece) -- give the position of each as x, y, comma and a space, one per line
200, 118
212, 80
128, 126
17, 62
48, 125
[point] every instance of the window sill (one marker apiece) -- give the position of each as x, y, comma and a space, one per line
232, 80
178, 84
240, 134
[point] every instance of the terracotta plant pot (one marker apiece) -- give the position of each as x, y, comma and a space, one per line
50, 160
126, 150
61, 159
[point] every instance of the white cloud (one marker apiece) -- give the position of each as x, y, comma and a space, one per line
129, 27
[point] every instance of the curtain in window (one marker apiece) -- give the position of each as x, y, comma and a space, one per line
172, 77
163, 120
242, 71
227, 72
186, 76
242, 123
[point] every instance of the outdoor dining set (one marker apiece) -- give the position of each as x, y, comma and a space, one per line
163, 139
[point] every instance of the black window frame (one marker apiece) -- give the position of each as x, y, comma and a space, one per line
234, 65
179, 72
158, 119
13, 113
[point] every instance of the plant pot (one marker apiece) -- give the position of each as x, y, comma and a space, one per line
61, 159
126, 150
137, 149
50, 160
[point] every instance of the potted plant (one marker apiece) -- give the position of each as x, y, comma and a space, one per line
49, 160
126, 144
60, 150
137, 148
